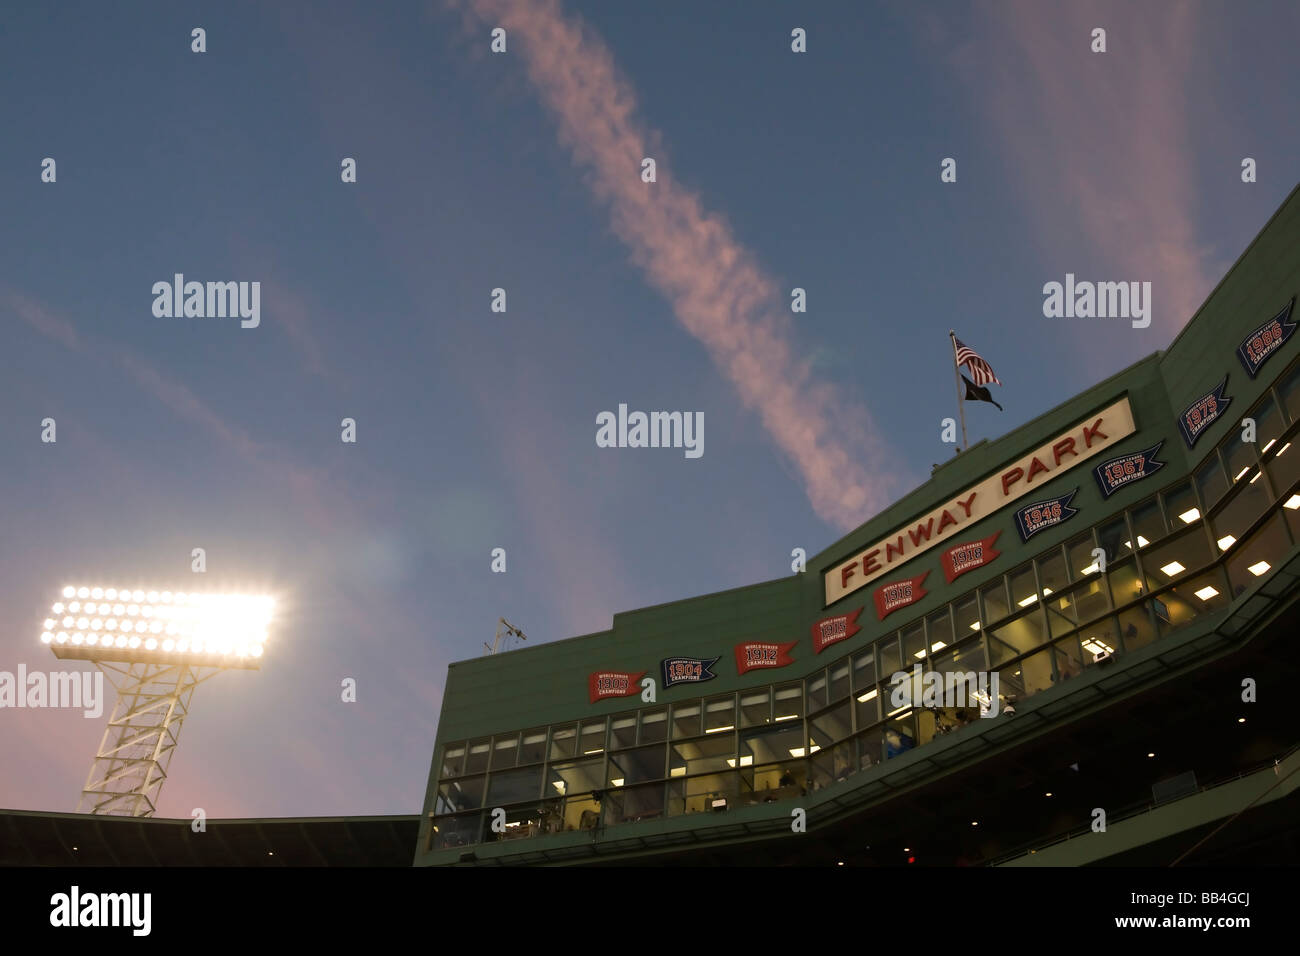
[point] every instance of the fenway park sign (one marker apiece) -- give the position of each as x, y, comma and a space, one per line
1022, 477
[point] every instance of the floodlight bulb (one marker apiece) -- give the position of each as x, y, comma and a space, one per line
96, 624
92, 639
173, 627
68, 622
156, 626
97, 593
146, 611
180, 597
141, 626
137, 596
168, 644
121, 640
69, 591
74, 607
133, 609
182, 645
197, 645
83, 623
133, 642
150, 644
110, 625
165, 597
152, 597
49, 623
256, 650
110, 593
47, 637
119, 609
83, 592
63, 637
58, 607
78, 638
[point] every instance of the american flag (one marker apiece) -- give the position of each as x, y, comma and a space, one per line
981, 372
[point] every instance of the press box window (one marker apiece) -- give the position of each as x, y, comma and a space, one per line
756, 708
654, 726
477, 760
592, 740
720, 715
622, 732
686, 720
789, 703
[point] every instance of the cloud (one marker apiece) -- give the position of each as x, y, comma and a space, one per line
717, 289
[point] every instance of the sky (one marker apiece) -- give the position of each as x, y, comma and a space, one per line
476, 429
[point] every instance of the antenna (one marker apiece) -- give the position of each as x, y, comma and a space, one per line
504, 630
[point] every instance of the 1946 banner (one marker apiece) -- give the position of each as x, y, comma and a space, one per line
899, 594
1202, 413
830, 630
1114, 474
752, 654
602, 684
1042, 515
688, 670
1256, 348
961, 558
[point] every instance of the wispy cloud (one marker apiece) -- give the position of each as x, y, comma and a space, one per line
718, 291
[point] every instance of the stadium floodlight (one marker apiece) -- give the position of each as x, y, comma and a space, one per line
155, 647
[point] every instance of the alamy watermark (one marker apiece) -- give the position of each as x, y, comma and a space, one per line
1102, 300
211, 300
76, 689
932, 689
655, 430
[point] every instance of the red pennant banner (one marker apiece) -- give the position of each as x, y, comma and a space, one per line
752, 654
899, 594
961, 558
604, 684
830, 630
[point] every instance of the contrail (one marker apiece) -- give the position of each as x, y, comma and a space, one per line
715, 285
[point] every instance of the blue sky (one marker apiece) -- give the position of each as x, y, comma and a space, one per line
476, 430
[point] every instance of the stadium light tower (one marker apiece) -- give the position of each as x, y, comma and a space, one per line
155, 647
504, 630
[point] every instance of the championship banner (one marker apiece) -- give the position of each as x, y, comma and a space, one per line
1265, 340
830, 630
1114, 474
890, 597
961, 558
1202, 413
1042, 515
604, 684
688, 670
753, 654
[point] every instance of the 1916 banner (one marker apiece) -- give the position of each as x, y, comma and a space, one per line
899, 594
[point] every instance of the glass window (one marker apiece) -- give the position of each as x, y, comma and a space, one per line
1051, 571
913, 644
515, 786
636, 766
1289, 391
1251, 561
829, 727
1268, 424
1136, 628
1181, 509
533, 747
564, 742
1125, 585
1098, 637
939, 630
1034, 674
574, 778
1067, 658
1023, 591
686, 720
994, 596
1111, 536
504, 751
453, 757
900, 735
864, 671
966, 617
1283, 468
456, 831
1078, 552
1239, 457
635, 803
654, 725
1247, 503
1017, 636
820, 769
622, 731
1211, 482
477, 759
706, 794
789, 702
758, 747
756, 708
887, 650
1188, 600
817, 691
1148, 525
839, 672
458, 795
869, 749
867, 704
704, 755
1176, 558
592, 740
720, 714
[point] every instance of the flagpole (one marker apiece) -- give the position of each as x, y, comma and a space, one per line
961, 407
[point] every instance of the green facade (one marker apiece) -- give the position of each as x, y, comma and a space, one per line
546, 686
